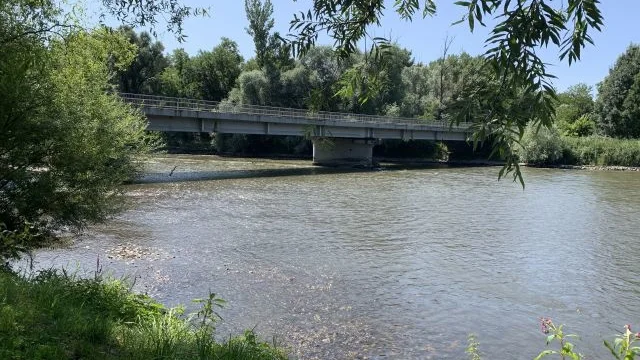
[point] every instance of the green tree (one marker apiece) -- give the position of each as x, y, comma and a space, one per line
325, 71
295, 88
253, 89
371, 95
618, 95
431, 91
216, 72
575, 111
66, 142
142, 76
261, 22
179, 78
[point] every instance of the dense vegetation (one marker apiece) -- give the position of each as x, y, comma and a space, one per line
66, 141
53, 315
604, 131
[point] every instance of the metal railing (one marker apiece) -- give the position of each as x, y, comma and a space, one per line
165, 102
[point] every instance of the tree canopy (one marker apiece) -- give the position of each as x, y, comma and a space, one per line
618, 102
575, 114
66, 141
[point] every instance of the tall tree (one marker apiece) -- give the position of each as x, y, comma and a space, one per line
261, 22
179, 79
617, 96
325, 72
575, 111
142, 75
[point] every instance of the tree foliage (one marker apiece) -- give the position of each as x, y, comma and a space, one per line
575, 114
618, 103
66, 142
215, 72
261, 22
142, 76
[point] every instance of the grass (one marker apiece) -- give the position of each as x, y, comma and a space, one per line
597, 150
53, 315
548, 147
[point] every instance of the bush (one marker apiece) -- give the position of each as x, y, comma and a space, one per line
66, 143
598, 150
541, 146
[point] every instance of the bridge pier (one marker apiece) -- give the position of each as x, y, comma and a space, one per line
343, 152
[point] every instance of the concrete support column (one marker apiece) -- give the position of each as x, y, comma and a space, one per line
343, 152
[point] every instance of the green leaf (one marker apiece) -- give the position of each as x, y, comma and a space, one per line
545, 353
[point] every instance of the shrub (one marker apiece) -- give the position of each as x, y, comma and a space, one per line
541, 146
598, 150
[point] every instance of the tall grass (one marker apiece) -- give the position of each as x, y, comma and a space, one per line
53, 315
547, 147
597, 150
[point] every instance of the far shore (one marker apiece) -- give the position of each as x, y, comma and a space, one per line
391, 161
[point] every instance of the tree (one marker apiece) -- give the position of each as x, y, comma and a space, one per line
216, 72
371, 95
253, 89
618, 95
574, 111
261, 22
179, 78
324, 71
295, 87
66, 141
523, 26
142, 76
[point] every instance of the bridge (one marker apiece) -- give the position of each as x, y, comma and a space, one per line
352, 136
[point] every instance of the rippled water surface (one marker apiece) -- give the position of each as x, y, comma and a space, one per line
394, 264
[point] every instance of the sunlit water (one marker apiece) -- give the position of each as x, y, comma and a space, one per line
394, 264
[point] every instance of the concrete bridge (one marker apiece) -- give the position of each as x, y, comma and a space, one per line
338, 138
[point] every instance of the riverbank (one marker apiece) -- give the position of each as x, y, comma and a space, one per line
586, 167
53, 315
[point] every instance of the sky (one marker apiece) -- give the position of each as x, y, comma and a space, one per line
423, 37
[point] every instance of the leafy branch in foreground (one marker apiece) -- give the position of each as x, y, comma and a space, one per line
146, 13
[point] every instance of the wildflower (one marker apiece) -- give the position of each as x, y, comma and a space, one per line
627, 327
638, 335
545, 324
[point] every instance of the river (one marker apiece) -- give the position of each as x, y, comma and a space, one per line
388, 264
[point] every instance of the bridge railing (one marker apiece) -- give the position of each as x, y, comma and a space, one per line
166, 102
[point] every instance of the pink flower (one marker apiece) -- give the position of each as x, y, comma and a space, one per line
545, 323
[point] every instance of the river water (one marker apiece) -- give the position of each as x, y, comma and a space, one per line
389, 264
